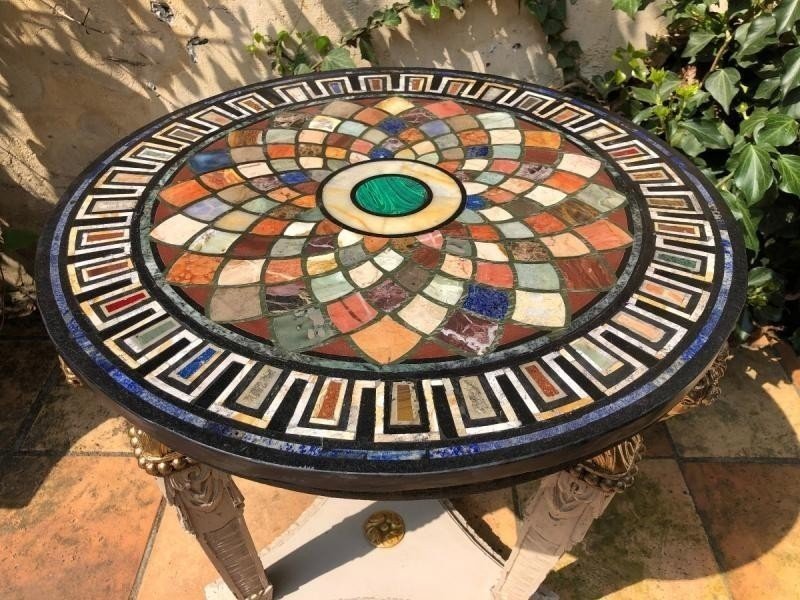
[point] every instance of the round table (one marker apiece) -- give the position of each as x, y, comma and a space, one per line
390, 282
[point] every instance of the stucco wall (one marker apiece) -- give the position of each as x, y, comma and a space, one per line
69, 90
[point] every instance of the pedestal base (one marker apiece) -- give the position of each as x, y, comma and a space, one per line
326, 556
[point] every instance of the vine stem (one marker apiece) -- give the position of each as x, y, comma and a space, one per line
718, 56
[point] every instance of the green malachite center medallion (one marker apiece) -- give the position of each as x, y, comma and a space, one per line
391, 195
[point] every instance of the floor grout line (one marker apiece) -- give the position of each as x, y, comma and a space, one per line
712, 543
35, 408
69, 452
148, 549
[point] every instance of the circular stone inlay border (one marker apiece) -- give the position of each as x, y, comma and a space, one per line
218, 200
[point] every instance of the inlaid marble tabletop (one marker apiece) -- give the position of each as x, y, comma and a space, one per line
391, 282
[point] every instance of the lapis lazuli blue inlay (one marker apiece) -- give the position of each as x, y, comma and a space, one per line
487, 302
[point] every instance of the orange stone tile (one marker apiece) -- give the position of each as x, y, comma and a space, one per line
193, 269
475, 137
545, 223
223, 178
385, 341
333, 152
752, 513
483, 233
283, 270
566, 182
362, 146
542, 139
411, 135
371, 116
283, 194
270, 227
280, 150
245, 137
307, 201
604, 235
182, 194
494, 274
504, 166
498, 196
373, 243
74, 527
326, 227
445, 108
178, 568
351, 312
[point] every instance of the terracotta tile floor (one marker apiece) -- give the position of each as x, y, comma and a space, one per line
715, 512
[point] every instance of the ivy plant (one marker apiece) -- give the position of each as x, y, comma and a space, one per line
298, 52
723, 86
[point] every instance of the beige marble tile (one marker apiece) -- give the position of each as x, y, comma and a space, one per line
757, 415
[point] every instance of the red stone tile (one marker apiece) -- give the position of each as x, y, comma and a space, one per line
73, 528
445, 108
483, 233
494, 274
351, 312
504, 166
362, 146
281, 270
545, 223
272, 227
280, 150
752, 514
585, 273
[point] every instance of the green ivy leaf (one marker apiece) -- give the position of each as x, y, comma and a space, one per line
367, 49
435, 10
686, 141
786, 15
630, 7
391, 18
721, 85
646, 95
767, 88
322, 44
338, 58
302, 68
791, 71
696, 42
788, 166
742, 214
778, 130
754, 122
713, 134
753, 173
754, 35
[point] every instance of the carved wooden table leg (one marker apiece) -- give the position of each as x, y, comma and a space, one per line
210, 507
560, 513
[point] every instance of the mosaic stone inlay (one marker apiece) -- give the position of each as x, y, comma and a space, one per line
439, 276
289, 229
